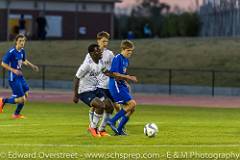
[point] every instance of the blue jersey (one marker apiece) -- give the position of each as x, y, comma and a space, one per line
14, 59
118, 88
119, 65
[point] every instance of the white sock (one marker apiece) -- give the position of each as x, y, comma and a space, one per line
91, 117
96, 118
106, 117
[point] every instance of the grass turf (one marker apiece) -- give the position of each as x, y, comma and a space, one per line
61, 128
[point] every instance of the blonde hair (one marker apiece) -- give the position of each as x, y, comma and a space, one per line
126, 44
102, 34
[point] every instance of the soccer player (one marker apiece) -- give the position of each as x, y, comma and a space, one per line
119, 88
103, 41
12, 61
85, 88
103, 80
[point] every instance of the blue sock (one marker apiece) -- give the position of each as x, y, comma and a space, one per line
122, 123
19, 108
121, 113
10, 100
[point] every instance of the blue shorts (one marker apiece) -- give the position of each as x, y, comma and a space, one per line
120, 94
19, 86
87, 97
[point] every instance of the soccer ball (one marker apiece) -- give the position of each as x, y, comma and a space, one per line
150, 129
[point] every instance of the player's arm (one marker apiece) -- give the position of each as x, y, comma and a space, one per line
7, 67
82, 71
28, 63
75, 89
119, 76
124, 77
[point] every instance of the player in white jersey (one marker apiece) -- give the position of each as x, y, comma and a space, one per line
103, 41
85, 87
103, 80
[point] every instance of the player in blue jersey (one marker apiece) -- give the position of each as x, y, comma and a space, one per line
12, 61
118, 86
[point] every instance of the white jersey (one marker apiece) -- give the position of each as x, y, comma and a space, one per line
88, 73
107, 58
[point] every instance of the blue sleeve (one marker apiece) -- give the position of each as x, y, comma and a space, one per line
116, 64
6, 58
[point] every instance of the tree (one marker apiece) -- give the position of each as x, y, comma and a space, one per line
151, 12
156, 16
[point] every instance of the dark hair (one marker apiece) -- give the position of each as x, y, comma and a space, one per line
19, 36
91, 48
102, 34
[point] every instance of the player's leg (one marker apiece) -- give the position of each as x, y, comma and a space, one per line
11, 100
130, 105
117, 107
20, 101
106, 116
107, 111
125, 98
121, 96
123, 131
129, 108
91, 109
98, 106
3, 101
25, 88
18, 96
94, 102
90, 114
124, 113
19, 108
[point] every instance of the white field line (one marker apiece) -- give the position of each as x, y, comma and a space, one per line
86, 124
139, 146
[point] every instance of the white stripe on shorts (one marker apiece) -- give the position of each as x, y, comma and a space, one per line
117, 87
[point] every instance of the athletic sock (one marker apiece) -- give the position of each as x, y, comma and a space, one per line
19, 108
122, 123
106, 117
96, 118
91, 113
121, 113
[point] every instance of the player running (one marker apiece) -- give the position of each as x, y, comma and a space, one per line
85, 88
103, 41
118, 86
103, 80
12, 61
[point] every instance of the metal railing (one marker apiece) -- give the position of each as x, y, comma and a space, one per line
56, 74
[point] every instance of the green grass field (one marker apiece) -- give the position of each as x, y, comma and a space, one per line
54, 129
